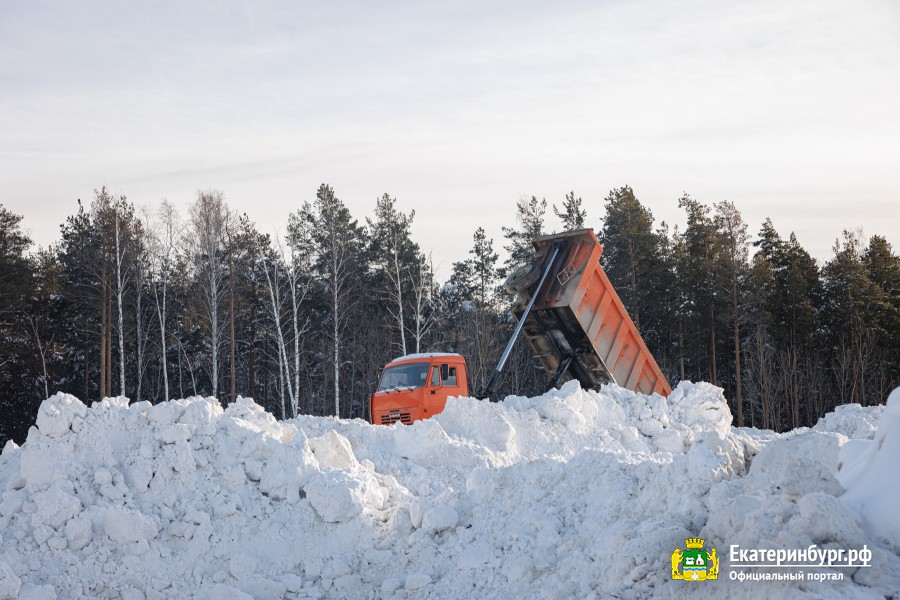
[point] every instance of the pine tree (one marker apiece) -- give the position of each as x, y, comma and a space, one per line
732, 233
470, 302
700, 273
793, 307
338, 245
630, 249
883, 268
530, 218
17, 344
571, 214
851, 306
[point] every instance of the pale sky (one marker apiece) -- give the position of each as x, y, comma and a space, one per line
789, 109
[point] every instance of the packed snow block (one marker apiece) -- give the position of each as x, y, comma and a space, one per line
166, 413
245, 419
421, 440
282, 482
127, 526
852, 420
439, 518
797, 464
484, 423
242, 566
292, 582
219, 591
871, 472
518, 567
112, 403
564, 406
285, 473
11, 502
260, 588
339, 496
10, 584
38, 592
79, 532
54, 507
202, 414
669, 440
390, 585
822, 516
176, 432
333, 451
416, 581
57, 413
700, 407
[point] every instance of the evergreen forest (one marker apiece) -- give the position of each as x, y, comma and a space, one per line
154, 304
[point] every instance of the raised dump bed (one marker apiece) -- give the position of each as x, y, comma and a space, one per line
578, 326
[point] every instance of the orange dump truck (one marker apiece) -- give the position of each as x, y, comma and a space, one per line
571, 316
417, 386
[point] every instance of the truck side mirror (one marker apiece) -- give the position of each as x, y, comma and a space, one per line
445, 372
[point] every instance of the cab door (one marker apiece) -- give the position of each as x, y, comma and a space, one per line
435, 397
443, 382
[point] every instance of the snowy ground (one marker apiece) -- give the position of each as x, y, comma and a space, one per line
570, 495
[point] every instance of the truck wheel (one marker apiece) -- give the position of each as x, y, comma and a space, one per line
522, 278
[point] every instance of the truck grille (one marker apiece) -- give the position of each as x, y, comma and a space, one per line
393, 417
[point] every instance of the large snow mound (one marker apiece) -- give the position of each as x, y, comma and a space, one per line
572, 494
870, 470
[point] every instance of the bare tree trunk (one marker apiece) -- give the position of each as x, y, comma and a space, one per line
103, 334
251, 360
398, 285
295, 394
865, 351
214, 331
423, 290
119, 304
337, 353
737, 352
231, 312
633, 269
87, 372
161, 315
109, 336
765, 379
284, 374
40, 347
180, 374
190, 368
139, 328
712, 345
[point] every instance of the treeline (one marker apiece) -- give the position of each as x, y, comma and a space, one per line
154, 305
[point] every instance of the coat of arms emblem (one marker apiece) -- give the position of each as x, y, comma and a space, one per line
695, 563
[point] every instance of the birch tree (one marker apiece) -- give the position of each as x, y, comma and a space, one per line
286, 268
395, 255
424, 314
165, 234
209, 218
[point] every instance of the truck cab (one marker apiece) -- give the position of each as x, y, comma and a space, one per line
416, 387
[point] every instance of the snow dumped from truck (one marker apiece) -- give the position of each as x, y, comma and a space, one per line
572, 494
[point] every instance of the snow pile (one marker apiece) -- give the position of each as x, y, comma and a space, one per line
870, 470
570, 494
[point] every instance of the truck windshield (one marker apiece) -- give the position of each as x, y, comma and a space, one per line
404, 376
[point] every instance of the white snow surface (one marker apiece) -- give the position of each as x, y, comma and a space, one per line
572, 494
